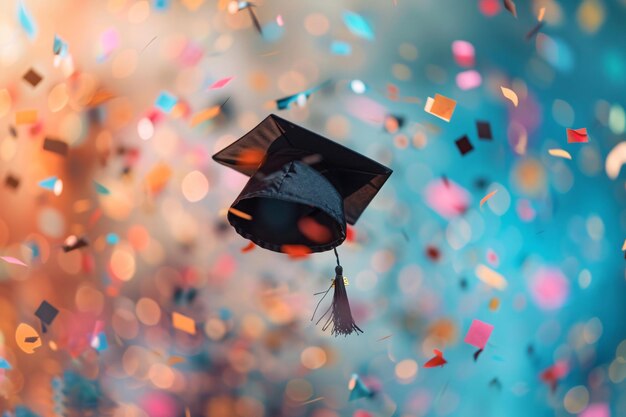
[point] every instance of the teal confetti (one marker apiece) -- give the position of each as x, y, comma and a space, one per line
112, 239
358, 25
4, 364
166, 101
101, 189
340, 48
26, 21
59, 47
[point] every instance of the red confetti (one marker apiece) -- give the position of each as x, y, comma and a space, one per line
437, 360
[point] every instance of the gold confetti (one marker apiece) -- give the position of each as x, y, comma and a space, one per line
487, 197
204, 115
560, 153
624, 245
510, 94
542, 13
25, 117
183, 323
490, 277
240, 213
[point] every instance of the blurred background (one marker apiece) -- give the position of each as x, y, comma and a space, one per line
114, 213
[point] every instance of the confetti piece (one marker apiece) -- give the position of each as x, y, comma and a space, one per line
447, 198
340, 48
615, 159
250, 246
577, 135
24, 332
464, 145
542, 13
358, 389
484, 130
560, 153
4, 364
183, 323
494, 304
12, 181
478, 334
158, 177
32, 77
534, 30
314, 400
26, 21
296, 251
510, 94
597, 410
487, 197
56, 146
490, 277
46, 312
109, 41
72, 243
384, 338
438, 360
357, 25
12, 260
624, 246
468, 80
204, 115
221, 83
463, 53
240, 213
441, 106
510, 6
554, 373
24, 117
166, 102
279, 21
101, 189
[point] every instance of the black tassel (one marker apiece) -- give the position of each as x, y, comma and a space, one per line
340, 315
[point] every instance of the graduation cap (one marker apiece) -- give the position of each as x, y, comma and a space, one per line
302, 191
46, 313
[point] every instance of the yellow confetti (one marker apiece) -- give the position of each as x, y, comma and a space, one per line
490, 277
487, 197
510, 94
183, 323
542, 13
25, 117
560, 153
624, 245
240, 213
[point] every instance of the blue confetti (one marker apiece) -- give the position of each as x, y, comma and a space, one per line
112, 239
59, 47
340, 48
4, 364
99, 342
161, 4
358, 25
272, 32
26, 21
166, 101
48, 183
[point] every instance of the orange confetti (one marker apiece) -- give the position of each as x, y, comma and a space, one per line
27, 338
240, 213
494, 304
250, 246
183, 323
542, 13
296, 251
490, 277
314, 231
487, 197
158, 177
441, 107
25, 117
511, 95
204, 115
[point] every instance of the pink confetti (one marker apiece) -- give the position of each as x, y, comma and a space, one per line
279, 20
478, 334
549, 288
110, 40
463, 52
468, 80
447, 198
596, 410
220, 83
12, 260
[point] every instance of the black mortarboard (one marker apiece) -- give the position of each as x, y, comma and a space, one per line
296, 177
46, 313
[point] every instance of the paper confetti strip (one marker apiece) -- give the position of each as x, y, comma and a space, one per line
490, 277
510, 94
25, 117
12, 260
221, 83
487, 197
560, 153
183, 323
